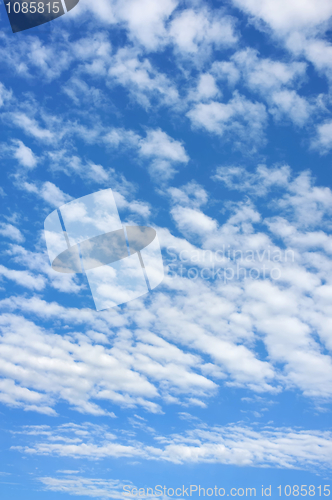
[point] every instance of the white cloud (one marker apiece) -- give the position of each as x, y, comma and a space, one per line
289, 103
80, 92
240, 119
136, 207
24, 154
84, 369
226, 70
271, 79
39, 262
258, 183
162, 341
12, 232
191, 195
206, 88
285, 17
5, 95
48, 191
323, 140
163, 152
264, 74
193, 221
234, 444
158, 144
301, 25
31, 55
88, 487
145, 84
23, 278
20, 397
146, 20
196, 32
31, 127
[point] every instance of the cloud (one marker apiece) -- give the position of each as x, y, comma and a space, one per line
148, 30
285, 17
272, 79
193, 221
234, 444
301, 26
146, 20
191, 30
88, 368
89, 487
264, 74
323, 140
31, 55
39, 262
145, 84
158, 144
5, 95
196, 32
257, 183
162, 152
31, 127
289, 103
12, 232
80, 92
23, 278
24, 155
206, 88
16, 396
48, 191
199, 331
240, 119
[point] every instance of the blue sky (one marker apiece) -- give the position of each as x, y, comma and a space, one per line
211, 122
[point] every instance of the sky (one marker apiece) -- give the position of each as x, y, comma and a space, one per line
211, 122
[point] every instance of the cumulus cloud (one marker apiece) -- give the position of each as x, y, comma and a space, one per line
323, 140
239, 118
162, 152
12, 232
48, 191
196, 32
273, 80
299, 25
258, 183
23, 278
24, 155
284, 17
145, 84
38, 262
265, 74
287, 103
